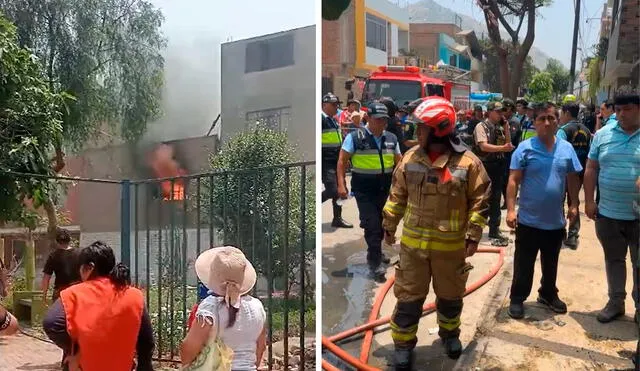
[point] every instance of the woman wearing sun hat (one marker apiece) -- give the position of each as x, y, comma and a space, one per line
229, 312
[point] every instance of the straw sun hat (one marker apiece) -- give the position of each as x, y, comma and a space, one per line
227, 272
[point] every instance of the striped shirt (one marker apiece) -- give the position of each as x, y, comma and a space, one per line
618, 154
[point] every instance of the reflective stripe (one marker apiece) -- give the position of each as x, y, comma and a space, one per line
394, 208
415, 167
478, 219
448, 323
365, 163
431, 244
403, 334
454, 220
331, 138
459, 173
428, 233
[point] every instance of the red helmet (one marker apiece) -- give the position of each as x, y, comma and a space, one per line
438, 114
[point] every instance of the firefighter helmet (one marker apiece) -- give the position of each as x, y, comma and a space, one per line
569, 98
438, 114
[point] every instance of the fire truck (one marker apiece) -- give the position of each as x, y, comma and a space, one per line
405, 84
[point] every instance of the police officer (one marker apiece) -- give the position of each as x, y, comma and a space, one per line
493, 139
510, 114
331, 142
373, 152
441, 190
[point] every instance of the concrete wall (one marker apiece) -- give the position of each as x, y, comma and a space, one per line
376, 57
292, 86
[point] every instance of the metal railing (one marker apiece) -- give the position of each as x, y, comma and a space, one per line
165, 223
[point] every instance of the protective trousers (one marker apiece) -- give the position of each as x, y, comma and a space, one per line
330, 181
370, 205
414, 272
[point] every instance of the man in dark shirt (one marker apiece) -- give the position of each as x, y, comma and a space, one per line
62, 262
478, 116
510, 115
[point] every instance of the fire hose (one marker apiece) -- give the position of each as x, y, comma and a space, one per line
329, 343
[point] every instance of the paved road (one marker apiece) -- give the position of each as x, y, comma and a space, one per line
22, 352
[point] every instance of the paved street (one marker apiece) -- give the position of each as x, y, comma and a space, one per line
22, 352
541, 341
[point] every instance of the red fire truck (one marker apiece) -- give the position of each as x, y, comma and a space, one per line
407, 83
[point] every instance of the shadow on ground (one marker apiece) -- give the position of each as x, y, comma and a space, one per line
426, 357
624, 329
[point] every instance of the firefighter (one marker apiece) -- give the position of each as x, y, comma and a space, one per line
373, 152
331, 142
441, 189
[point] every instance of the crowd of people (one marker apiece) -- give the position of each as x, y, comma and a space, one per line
444, 172
100, 321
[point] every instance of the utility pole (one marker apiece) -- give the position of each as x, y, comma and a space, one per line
574, 48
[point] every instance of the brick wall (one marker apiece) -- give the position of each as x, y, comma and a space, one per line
425, 38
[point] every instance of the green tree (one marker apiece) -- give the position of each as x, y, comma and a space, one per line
559, 75
511, 14
594, 76
30, 122
541, 87
491, 67
106, 54
251, 208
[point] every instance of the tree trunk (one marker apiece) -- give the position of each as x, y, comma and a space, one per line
30, 262
505, 77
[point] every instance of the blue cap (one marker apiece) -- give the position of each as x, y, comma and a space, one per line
377, 110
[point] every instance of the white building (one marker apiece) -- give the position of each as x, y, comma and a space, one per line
271, 79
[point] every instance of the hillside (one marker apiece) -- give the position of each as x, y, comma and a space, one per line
428, 11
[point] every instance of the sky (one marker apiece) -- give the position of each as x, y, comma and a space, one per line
194, 30
554, 28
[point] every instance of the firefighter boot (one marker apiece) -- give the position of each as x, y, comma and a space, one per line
338, 222
403, 359
453, 347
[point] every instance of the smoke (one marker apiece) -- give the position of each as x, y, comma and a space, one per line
191, 96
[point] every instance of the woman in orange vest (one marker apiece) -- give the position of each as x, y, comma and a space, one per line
101, 323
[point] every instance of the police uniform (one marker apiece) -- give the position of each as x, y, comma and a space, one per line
494, 164
372, 167
331, 143
442, 203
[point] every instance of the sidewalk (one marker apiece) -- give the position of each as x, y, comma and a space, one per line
542, 340
22, 352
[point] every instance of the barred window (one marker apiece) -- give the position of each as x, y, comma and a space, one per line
276, 119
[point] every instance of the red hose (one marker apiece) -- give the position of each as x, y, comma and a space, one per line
374, 321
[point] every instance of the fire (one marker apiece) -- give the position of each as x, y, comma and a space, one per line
165, 166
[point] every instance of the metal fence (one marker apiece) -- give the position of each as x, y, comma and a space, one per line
269, 213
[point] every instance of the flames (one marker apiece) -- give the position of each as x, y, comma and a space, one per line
164, 165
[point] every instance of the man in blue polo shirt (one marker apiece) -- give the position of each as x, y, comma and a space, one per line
614, 162
541, 165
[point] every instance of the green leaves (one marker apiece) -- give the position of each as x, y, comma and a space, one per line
541, 87
30, 119
559, 75
333, 9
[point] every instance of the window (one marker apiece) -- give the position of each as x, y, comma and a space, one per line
399, 90
276, 119
453, 61
434, 89
262, 55
376, 32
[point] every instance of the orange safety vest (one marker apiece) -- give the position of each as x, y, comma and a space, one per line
104, 323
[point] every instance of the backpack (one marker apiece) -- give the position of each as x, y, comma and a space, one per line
580, 138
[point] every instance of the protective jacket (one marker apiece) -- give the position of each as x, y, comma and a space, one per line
372, 167
331, 141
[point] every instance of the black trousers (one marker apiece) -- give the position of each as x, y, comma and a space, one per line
370, 205
495, 170
330, 181
529, 241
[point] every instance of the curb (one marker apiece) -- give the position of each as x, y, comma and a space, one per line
477, 347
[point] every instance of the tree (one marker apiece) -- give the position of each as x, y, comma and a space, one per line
31, 122
503, 12
491, 67
254, 203
104, 53
333, 9
593, 77
541, 87
559, 75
